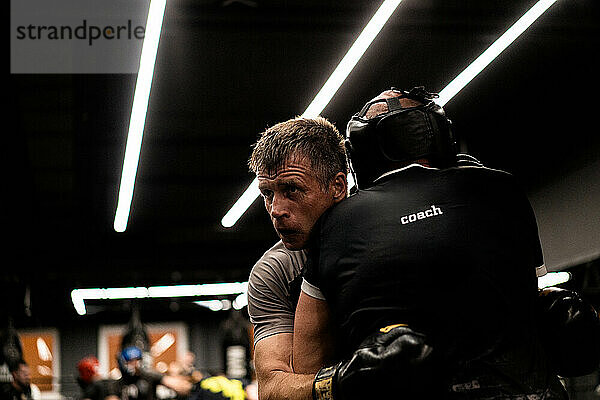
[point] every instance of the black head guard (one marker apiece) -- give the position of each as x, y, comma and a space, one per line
402, 134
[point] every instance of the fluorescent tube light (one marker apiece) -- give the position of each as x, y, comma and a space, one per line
215, 305
493, 51
456, 85
240, 301
78, 296
138, 112
173, 291
553, 279
324, 95
351, 58
210, 289
78, 302
125, 293
241, 205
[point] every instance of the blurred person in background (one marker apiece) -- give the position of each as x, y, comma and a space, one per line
139, 383
93, 385
189, 369
21, 387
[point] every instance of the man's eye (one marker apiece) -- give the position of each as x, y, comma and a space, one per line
267, 194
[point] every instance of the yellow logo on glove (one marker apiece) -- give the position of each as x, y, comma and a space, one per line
324, 389
390, 327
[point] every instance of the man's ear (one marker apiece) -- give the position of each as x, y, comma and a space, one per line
339, 185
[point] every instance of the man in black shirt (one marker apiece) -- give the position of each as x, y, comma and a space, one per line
20, 387
449, 252
139, 383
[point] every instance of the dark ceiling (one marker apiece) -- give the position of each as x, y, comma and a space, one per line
225, 71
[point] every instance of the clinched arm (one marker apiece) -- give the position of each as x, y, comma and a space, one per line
276, 380
313, 339
392, 354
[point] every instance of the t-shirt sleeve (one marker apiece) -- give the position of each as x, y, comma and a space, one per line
310, 280
541, 270
312, 290
271, 303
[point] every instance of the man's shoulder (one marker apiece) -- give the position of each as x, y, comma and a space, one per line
345, 211
485, 180
273, 290
486, 172
276, 276
421, 179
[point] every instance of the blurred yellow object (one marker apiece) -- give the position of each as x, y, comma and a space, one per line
230, 388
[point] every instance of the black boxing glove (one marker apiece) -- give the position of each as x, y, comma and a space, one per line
570, 331
395, 359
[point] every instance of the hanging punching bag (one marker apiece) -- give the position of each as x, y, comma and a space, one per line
236, 346
11, 350
136, 335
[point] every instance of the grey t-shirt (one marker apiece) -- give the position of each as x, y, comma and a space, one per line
273, 290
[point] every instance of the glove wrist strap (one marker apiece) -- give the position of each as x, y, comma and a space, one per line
323, 383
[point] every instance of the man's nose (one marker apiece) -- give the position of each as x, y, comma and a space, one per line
279, 207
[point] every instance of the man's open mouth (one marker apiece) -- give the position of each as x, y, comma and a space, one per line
286, 232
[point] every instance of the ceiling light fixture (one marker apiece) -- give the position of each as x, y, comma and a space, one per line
553, 279
215, 305
240, 301
138, 112
456, 85
78, 296
324, 95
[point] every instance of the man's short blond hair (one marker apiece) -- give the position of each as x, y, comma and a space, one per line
313, 139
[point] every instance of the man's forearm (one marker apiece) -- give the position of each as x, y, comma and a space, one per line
276, 379
179, 384
312, 340
282, 385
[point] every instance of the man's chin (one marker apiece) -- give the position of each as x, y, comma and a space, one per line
293, 243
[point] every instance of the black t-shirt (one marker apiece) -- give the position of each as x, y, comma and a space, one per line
141, 387
453, 253
100, 389
9, 392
